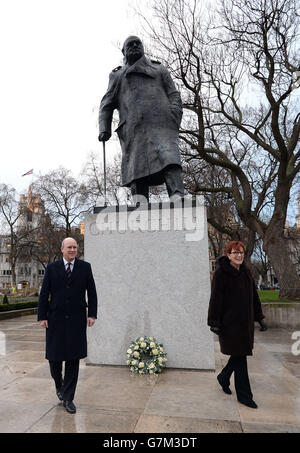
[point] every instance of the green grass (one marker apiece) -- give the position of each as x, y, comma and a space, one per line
266, 295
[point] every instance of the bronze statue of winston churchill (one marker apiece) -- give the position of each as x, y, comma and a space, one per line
150, 112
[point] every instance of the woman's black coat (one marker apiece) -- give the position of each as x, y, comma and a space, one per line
234, 306
66, 310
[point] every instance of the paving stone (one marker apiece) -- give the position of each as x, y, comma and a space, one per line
112, 400
157, 424
86, 420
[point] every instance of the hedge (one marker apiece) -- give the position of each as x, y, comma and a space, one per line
18, 305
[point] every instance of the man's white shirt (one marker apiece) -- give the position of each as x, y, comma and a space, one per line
67, 262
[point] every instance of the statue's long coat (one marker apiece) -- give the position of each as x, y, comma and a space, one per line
150, 112
234, 306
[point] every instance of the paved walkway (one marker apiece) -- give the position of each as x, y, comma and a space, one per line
112, 400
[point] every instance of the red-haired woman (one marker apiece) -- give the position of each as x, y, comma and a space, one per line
234, 306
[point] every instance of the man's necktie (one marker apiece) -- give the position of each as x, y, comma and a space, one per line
69, 272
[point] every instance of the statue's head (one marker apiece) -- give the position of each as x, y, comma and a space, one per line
132, 49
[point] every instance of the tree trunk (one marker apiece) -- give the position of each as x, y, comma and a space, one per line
13, 274
276, 247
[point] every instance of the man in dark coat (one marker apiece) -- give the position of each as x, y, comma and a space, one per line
150, 112
234, 306
66, 282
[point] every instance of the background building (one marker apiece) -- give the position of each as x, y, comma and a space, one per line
29, 271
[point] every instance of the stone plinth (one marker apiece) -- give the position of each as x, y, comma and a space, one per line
151, 270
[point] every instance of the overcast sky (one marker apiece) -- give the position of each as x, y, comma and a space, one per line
56, 56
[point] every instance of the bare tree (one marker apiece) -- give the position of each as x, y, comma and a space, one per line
261, 265
244, 51
44, 245
93, 177
18, 234
292, 235
66, 199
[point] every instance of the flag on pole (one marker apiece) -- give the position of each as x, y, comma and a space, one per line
29, 172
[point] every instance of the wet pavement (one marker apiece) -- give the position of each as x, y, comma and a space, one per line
112, 400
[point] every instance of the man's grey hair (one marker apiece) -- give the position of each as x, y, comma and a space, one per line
63, 242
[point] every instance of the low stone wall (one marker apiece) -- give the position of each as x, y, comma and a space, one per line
280, 315
17, 313
283, 315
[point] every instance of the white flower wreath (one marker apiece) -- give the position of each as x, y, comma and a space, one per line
146, 356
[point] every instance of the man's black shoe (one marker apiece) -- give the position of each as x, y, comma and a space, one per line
225, 388
249, 403
70, 407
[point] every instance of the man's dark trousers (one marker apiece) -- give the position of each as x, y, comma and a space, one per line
66, 386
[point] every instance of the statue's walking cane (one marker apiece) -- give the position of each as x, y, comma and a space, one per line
104, 172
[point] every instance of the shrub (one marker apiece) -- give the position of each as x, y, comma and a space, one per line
18, 305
